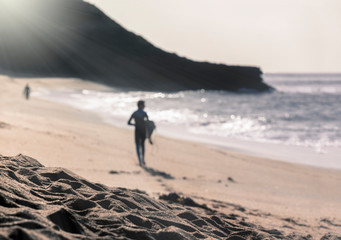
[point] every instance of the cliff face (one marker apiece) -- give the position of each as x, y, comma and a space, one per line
72, 38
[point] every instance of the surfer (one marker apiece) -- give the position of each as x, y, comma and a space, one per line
140, 117
27, 91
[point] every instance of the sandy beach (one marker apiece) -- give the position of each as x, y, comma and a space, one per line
296, 200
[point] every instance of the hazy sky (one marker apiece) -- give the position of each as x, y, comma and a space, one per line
276, 35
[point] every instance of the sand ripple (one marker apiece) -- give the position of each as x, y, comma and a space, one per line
53, 203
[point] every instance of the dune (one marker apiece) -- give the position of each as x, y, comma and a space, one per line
38, 202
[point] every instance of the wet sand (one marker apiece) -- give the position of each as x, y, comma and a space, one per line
269, 194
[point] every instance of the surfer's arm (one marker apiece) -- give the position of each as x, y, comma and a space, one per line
129, 121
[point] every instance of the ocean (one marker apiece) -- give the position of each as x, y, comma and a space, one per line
299, 122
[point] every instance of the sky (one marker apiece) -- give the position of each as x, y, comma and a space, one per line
280, 36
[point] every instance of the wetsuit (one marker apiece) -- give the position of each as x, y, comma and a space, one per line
139, 117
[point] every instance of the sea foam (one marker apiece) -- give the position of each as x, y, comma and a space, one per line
302, 112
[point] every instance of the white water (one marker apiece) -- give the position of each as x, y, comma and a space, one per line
300, 122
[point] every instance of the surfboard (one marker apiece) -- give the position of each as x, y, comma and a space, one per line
150, 127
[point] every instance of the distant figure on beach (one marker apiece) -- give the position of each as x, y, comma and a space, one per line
140, 117
27, 91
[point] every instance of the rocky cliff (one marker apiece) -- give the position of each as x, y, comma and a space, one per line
72, 38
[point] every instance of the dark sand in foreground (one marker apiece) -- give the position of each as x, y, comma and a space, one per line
53, 203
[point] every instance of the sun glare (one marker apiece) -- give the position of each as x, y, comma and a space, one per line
18, 8
33, 29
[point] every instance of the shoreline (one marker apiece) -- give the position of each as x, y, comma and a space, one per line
62, 136
326, 157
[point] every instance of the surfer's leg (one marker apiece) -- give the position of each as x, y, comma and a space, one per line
143, 150
143, 139
137, 142
138, 154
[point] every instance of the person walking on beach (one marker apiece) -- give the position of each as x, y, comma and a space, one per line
140, 117
27, 91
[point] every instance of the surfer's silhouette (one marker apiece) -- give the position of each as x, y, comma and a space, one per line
140, 118
27, 91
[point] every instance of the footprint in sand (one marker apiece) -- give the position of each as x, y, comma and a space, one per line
53, 203
4, 125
